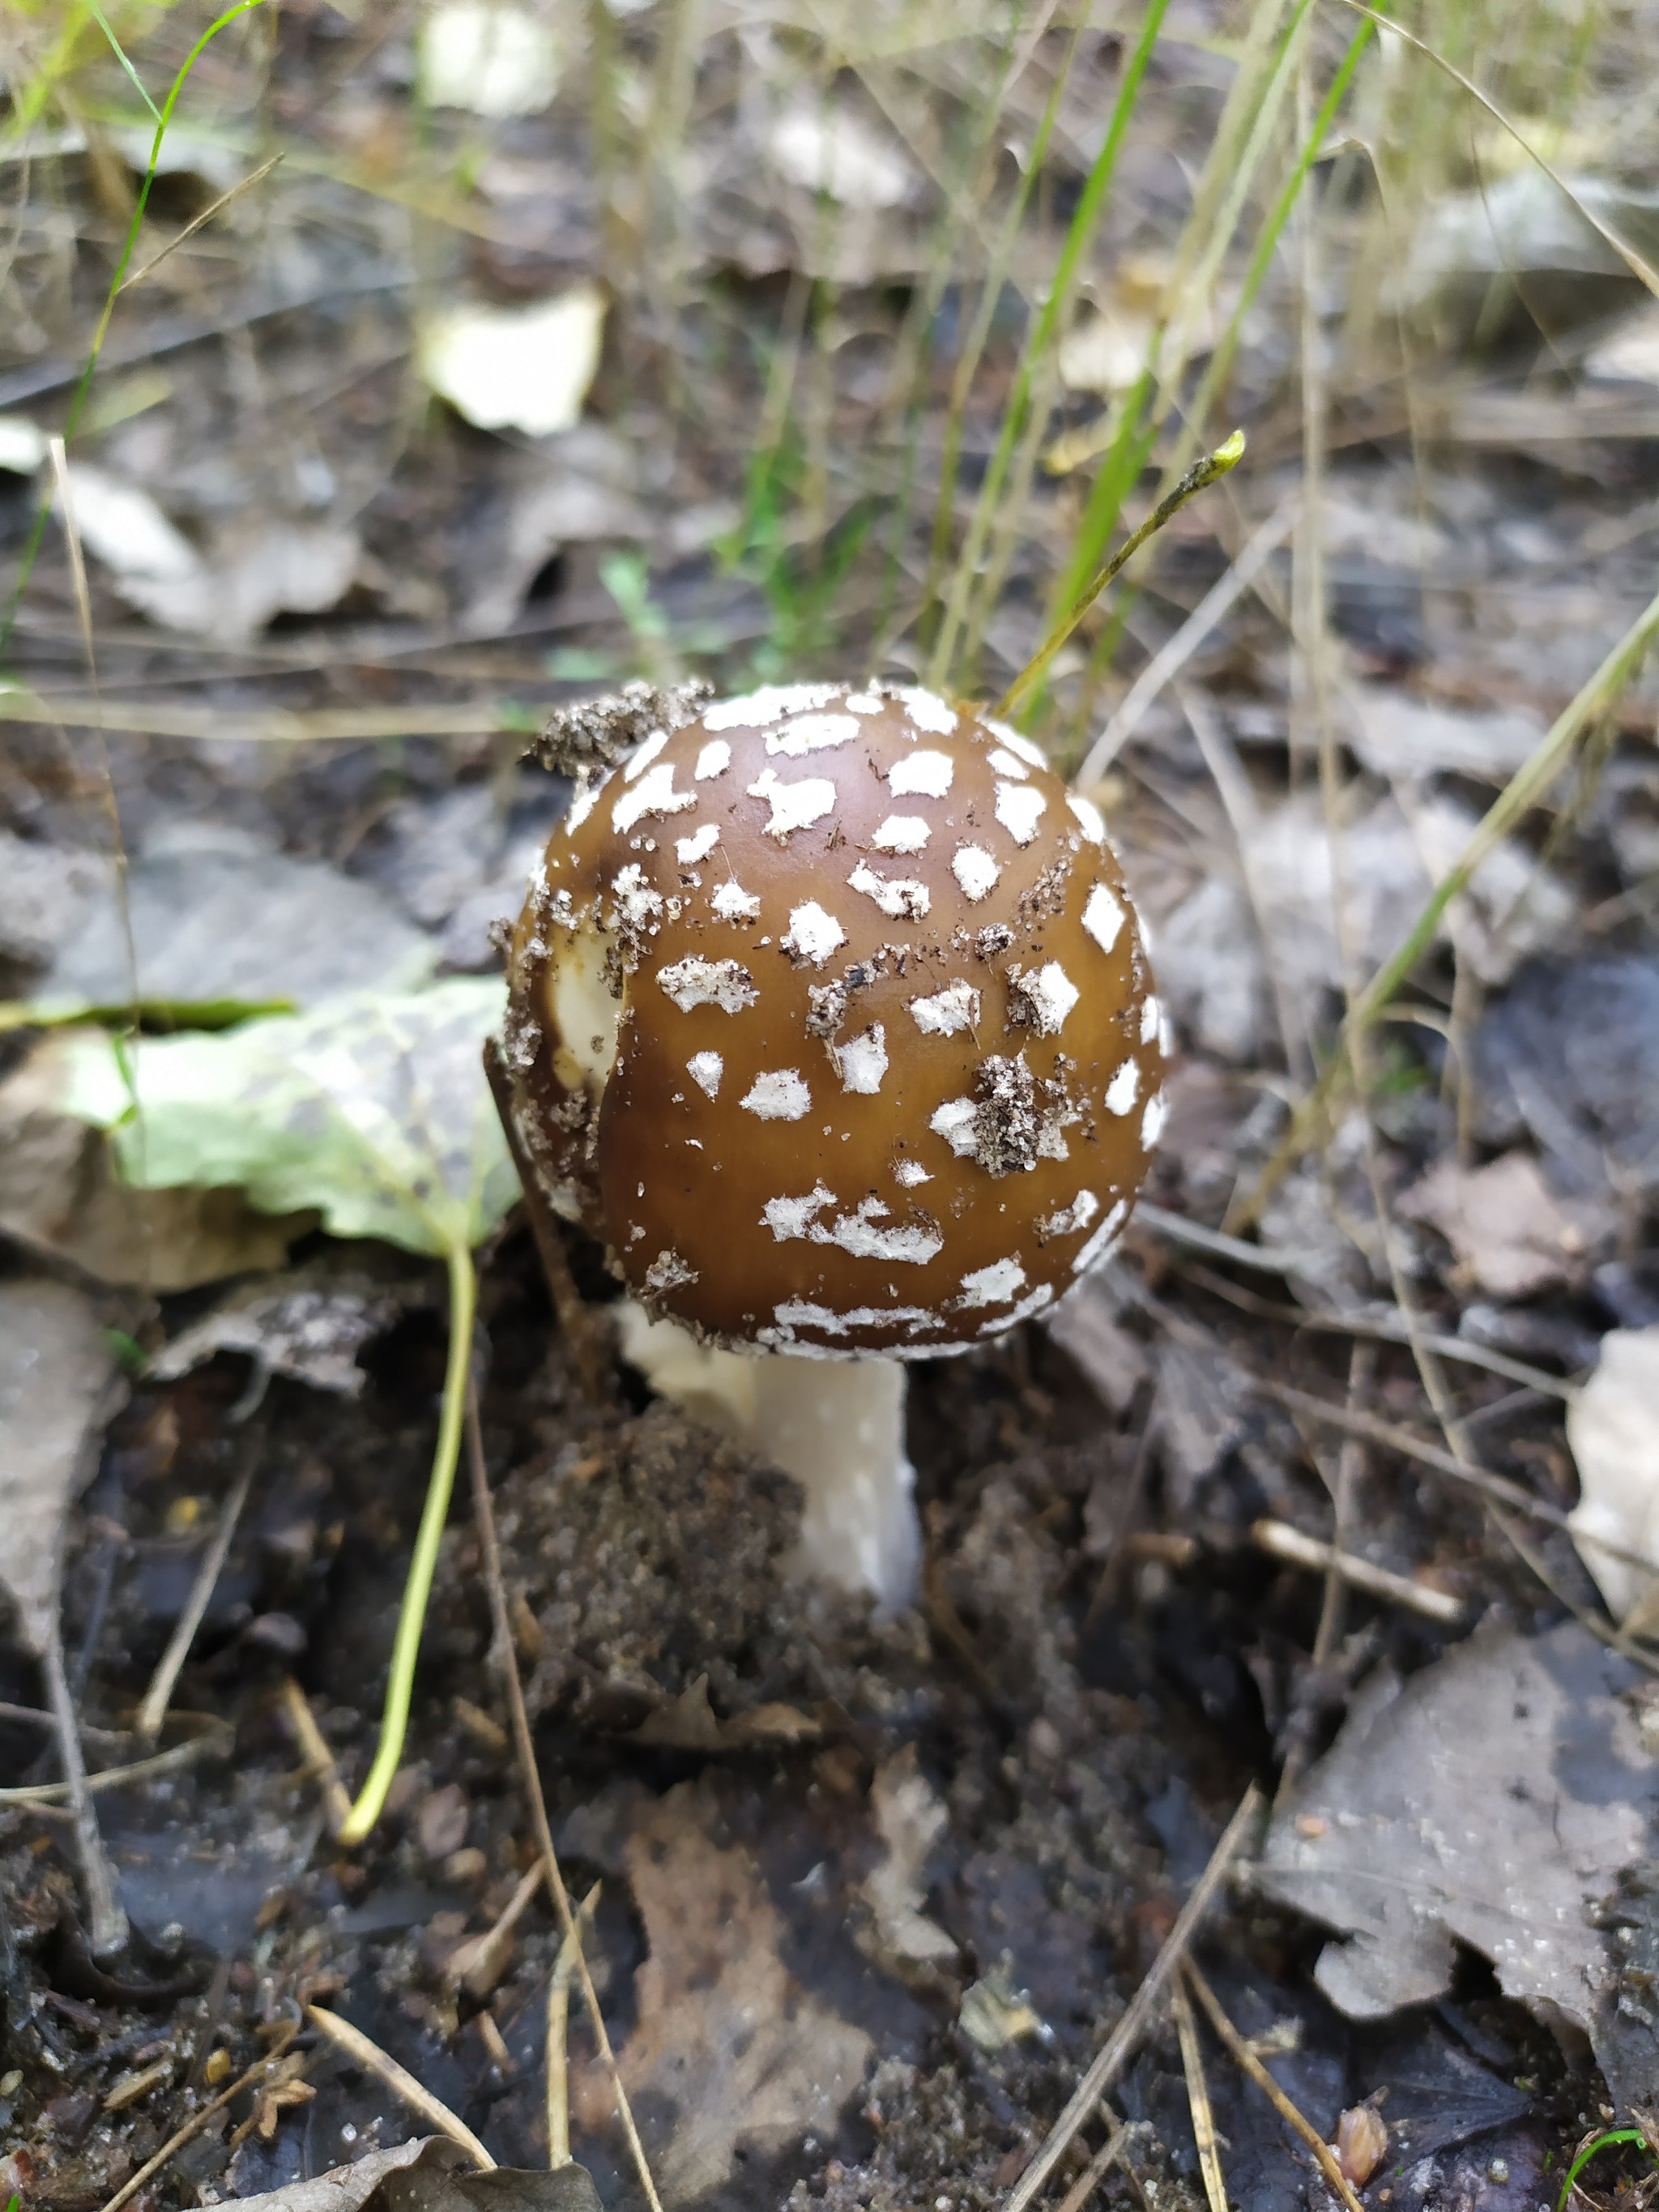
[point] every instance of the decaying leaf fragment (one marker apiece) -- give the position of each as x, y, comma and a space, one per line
909, 1818
726, 2039
1613, 1426
431, 2174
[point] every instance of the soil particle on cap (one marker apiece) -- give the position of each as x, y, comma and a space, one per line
1006, 1127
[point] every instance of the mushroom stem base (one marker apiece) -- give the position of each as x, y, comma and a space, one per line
837, 1426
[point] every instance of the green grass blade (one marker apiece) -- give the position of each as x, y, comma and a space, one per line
119, 53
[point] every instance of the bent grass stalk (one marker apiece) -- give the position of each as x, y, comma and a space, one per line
417, 1590
1198, 478
83, 385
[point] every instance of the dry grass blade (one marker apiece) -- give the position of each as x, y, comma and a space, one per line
216, 1736
198, 223
1098, 2167
1104, 2066
154, 1709
1247, 2059
1198, 2099
1179, 1230
315, 1752
478, 1964
106, 1922
194, 2125
525, 1745
363, 2051
1282, 1542
558, 2021
276, 726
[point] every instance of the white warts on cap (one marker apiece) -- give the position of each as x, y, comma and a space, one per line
814, 934
813, 733
958, 1122
864, 703
769, 705
654, 793
792, 1217
1124, 1088
635, 900
902, 897
714, 760
1069, 1219
1151, 1013
863, 1234
926, 709
1093, 821
1102, 917
668, 1272
991, 1286
643, 755
861, 1062
947, 1011
1045, 997
1019, 809
1004, 764
692, 982
794, 805
1152, 1125
1000, 1324
924, 774
1015, 743
705, 1070
911, 1173
583, 800
901, 833
778, 1096
733, 904
975, 871
688, 851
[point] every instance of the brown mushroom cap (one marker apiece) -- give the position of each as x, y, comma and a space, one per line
886, 1058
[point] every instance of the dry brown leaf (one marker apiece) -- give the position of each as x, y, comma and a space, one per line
1505, 1223
727, 2041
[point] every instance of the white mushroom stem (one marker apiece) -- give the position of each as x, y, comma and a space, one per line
837, 1426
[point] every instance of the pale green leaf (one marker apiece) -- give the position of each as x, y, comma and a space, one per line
373, 1111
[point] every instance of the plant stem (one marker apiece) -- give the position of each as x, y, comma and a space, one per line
1201, 473
417, 1590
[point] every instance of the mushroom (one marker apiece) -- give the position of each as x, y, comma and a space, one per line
829, 1017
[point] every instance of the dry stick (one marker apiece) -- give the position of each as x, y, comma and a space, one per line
558, 2021
1279, 1539
1198, 2099
1095, 2173
575, 1322
153, 1711
106, 1922
477, 1965
1350, 1469
508, 1659
196, 223
194, 2125
1169, 661
1246, 2058
217, 1736
1202, 473
1104, 2067
315, 1754
364, 2051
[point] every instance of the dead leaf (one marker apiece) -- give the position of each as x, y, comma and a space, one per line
308, 1325
430, 2174
1395, 735
909, 1818
493, 60
1612, 1427
518, 368
1507, 1227
1085, 1326
60, 1196
57, 1388
739, 2053
1493, 1800
690, 1723
831, 151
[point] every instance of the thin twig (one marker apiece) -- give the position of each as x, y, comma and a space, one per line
1096, 2171
1179, 1230
194, 2125
196, 223
477, 1965
147, 1726
315, 1753
107, 1921
1350, 1471
364, 2051
576, 1323
525, 1745
217, 1736
1198, 2099
558, 2020
1284, 1542
1103, 2067
1247, 2059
